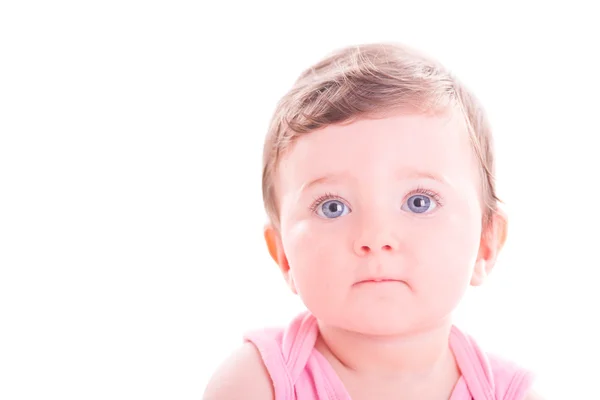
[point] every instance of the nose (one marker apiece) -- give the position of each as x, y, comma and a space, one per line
377, 241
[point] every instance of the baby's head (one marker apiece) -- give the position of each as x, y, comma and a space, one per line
378, 183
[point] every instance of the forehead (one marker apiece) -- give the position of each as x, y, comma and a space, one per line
434, 144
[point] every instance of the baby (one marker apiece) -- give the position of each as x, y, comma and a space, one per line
378, 181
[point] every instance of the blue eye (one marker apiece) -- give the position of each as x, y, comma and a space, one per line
419, 204
332, 209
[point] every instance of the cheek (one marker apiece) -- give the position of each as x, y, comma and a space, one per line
447, 257
316, 257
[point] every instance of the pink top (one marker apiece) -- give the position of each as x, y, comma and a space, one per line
300, 372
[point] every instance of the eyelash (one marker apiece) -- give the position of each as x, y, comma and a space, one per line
435, 196
419, 190
320, 199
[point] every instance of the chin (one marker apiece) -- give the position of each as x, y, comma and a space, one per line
375, 326
377, 322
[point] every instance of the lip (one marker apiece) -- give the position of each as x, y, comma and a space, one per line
380, 280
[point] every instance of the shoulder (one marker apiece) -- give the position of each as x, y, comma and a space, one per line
533, 395
241, 375
510, 379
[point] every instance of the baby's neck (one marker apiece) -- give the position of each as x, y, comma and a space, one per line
416, 356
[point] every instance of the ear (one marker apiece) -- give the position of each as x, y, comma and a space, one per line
492, 241
275, 246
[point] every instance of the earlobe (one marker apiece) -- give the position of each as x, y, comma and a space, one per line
291, 284
479, 273
275, 246
492, 241
272, 240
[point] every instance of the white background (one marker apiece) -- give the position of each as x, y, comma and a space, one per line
131, 252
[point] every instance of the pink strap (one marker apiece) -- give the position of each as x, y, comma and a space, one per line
474, 366
272, 357
519, 385
286, 361
298, 343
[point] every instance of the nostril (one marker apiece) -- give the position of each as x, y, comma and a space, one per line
365, 249
387, 247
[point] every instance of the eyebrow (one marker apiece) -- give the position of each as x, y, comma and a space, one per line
416, 174
404, 174
326, 178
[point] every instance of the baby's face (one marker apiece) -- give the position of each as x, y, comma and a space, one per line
381, 220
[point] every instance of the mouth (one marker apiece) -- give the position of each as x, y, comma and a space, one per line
381, 280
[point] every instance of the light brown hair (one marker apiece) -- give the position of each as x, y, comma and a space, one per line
370, 81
